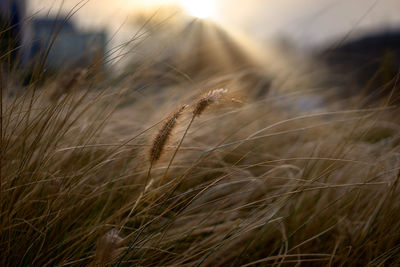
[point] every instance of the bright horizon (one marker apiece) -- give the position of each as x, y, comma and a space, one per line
306, 22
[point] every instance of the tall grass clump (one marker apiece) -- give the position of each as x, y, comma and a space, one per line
89, 178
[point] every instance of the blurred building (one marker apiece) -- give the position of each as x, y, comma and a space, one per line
12, 13
67, 46
52, 40
371, 61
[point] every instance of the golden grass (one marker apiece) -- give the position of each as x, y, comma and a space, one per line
251, 185
254, 184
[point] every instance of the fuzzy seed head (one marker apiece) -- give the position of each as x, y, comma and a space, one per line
208, 99
67, 85
164, 134
109, 248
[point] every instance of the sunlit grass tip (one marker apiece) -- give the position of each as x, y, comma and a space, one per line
164, 134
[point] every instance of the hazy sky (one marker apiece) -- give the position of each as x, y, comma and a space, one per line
307, 22
315, 21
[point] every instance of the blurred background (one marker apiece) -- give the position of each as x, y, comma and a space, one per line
305, 22
177, 40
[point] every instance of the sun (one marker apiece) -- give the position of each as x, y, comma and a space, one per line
199, 8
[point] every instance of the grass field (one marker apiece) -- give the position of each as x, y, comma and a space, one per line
193, 175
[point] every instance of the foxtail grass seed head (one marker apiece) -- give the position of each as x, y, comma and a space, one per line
109, 248
67, 85
164, 134
208, 99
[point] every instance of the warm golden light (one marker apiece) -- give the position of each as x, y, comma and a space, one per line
199, 8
